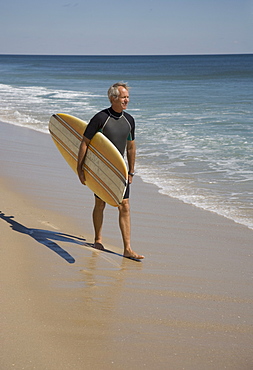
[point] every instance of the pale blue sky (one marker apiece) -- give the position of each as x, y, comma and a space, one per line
111, 27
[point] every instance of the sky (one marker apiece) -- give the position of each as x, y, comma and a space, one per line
130, 27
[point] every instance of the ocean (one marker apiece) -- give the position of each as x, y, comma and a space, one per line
194, 116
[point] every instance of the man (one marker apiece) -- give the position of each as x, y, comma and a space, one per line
119, 127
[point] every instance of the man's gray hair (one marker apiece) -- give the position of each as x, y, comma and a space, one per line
113, 91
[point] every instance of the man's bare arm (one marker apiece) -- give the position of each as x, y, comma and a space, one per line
131, 154
81, 156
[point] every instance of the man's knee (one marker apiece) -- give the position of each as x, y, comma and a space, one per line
99, 204
124, 207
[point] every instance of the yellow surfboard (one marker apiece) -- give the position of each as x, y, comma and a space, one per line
104, 167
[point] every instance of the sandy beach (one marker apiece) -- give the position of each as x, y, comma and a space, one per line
65, 305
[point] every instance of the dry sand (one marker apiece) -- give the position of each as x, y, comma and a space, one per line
64, 305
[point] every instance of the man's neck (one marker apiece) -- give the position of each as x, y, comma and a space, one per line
115, 112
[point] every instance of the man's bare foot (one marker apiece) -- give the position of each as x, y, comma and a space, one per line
98, 246
132, 255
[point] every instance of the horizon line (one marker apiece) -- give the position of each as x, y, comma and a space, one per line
123, 55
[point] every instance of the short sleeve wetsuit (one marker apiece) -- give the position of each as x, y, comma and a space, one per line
117, 127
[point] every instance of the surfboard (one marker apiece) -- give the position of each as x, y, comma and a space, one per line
104, 167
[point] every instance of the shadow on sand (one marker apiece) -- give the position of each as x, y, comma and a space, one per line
46, 237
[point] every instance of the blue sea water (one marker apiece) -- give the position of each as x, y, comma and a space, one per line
194, 116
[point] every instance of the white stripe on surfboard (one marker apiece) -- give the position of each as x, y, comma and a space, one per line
63, 135
105, 175
76, 144
75, 133
106, 188
66, 134
63, 139
64, 146
109, 164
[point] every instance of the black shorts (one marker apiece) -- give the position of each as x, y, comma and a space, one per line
126, 195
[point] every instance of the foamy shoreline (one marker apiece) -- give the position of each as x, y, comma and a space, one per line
175, 190
187, 305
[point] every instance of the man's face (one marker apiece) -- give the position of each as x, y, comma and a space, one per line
120, 103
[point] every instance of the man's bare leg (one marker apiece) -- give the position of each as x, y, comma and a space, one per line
125, 227
98, 216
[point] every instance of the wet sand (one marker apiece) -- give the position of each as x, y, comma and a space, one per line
64, 305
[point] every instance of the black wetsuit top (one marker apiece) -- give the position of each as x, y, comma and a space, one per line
117, 127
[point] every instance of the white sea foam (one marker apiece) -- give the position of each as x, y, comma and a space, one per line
183, 189
32, 106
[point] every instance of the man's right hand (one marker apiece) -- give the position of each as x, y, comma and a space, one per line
81, 155
81, 176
